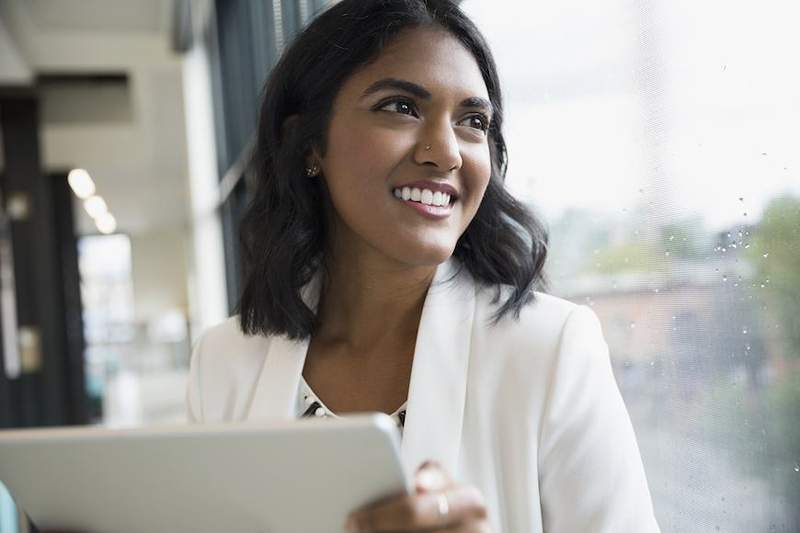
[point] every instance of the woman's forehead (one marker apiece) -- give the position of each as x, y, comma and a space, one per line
431, 58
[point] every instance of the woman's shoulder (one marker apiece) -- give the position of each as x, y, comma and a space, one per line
224, 348
540, 327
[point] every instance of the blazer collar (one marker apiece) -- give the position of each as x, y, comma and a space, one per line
437, 390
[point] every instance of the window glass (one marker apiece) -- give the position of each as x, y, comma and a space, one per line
658, 141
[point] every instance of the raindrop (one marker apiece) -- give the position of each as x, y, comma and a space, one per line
733, 245
666, 254
671, 237
724, 277
728, 235
747, 245
765, 255
762, 285
797, 467
744, 331
747, 347
766, 280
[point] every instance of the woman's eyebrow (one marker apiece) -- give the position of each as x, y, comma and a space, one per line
421, 92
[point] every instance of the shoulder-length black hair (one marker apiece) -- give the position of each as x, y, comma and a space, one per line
283, 232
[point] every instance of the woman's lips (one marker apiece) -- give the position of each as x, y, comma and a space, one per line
431, 212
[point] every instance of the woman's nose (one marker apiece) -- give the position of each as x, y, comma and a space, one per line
439, 146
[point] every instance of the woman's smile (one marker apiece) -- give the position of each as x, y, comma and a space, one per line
429, 199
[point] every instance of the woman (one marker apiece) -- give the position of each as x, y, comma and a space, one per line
387, 269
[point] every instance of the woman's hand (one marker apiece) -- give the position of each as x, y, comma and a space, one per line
439, 504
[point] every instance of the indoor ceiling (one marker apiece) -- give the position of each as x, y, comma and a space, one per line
129, 134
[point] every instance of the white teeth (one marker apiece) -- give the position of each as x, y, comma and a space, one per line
425, 196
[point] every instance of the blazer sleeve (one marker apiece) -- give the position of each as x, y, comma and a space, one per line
591, 476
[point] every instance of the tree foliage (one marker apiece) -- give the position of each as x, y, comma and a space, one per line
775, 252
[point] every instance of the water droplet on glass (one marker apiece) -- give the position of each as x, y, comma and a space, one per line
797, 467
666, 254
724, 277
747, 245
671, 237
744, 331
762, 285
747, 347
765, 255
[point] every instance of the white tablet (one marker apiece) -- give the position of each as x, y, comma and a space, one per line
296, 476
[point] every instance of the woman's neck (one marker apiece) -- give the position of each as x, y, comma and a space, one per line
369, 302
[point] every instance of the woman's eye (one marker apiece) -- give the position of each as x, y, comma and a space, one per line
399, 106
479, 122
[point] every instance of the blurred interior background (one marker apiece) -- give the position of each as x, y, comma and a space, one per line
658, 140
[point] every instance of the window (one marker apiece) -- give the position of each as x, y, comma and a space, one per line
657, 139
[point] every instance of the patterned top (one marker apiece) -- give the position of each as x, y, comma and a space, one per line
309, 404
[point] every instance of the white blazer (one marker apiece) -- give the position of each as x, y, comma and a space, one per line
527, 410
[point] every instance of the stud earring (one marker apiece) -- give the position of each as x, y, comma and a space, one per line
312, 171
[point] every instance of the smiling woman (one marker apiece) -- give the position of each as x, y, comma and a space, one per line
388, 269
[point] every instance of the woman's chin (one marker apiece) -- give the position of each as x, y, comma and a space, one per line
424, 254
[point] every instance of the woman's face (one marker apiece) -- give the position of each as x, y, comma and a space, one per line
411, 123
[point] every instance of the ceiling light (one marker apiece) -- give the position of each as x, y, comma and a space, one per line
81, 183
106, 223
95, 206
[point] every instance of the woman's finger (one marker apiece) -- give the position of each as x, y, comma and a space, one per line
431, 477
427, 510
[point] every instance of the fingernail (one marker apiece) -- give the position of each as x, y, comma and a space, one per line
430, 478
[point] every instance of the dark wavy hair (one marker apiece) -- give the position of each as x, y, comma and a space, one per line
283, 232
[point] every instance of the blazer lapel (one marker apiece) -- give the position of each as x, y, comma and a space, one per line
437, 390
276, 390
